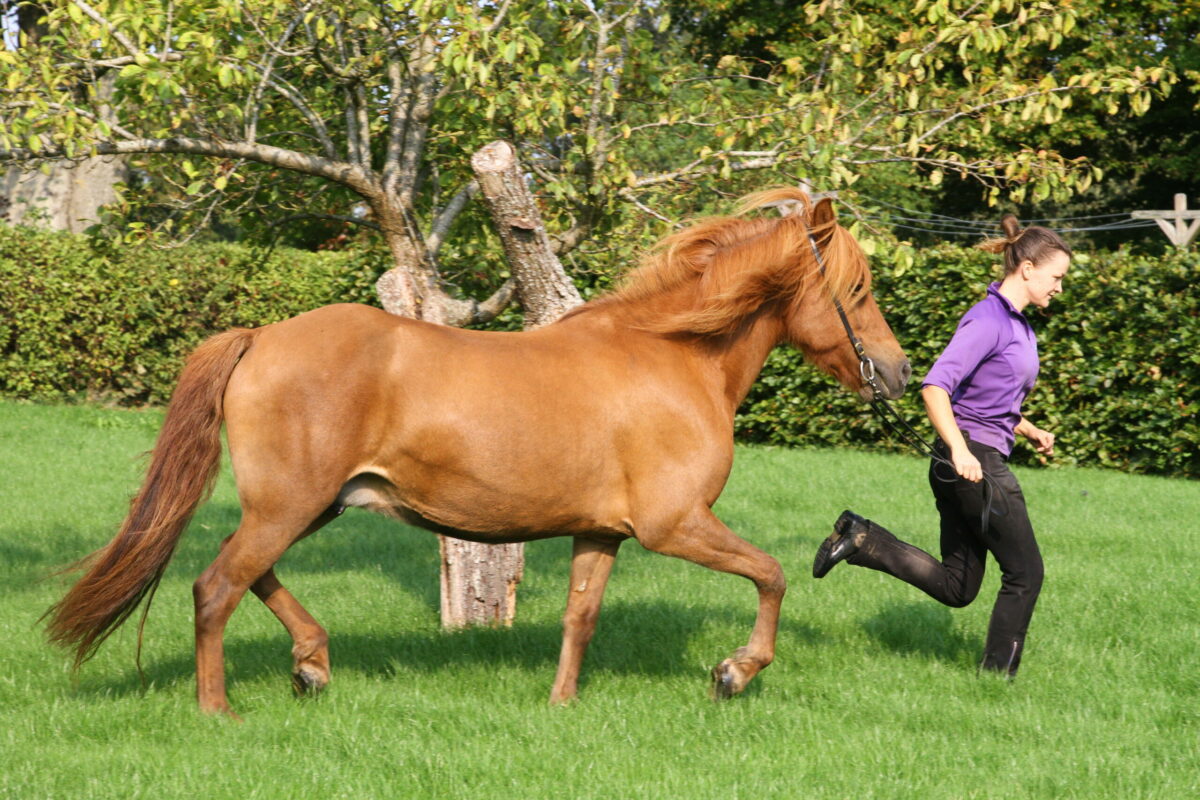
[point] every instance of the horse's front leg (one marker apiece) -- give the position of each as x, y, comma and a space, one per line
591, 564
705, 540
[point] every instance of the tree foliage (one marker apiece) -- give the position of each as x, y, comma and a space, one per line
259, 112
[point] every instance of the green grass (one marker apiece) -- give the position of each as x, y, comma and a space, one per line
873, 693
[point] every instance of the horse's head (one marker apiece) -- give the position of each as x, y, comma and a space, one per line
814, 327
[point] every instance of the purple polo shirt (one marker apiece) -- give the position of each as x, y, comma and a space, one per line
988, 368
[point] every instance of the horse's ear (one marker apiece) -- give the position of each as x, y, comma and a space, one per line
823, 213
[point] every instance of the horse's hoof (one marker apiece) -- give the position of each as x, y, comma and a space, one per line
221, 711
307, 682
724, 682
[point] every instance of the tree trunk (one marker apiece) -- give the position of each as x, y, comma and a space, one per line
69, 198
479, 581
70, 194
409, 288
545, 290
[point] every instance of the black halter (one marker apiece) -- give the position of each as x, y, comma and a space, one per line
893, 421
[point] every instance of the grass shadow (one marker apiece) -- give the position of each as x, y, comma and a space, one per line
642, 638
921, 629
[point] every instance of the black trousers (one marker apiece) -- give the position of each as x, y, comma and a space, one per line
965, 543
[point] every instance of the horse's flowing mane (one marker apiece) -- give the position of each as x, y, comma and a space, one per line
741, 263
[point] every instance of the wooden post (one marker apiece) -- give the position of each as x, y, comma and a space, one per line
1181, 235
545, 291
479, 582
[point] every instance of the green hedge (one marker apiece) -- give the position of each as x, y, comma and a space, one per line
1120, 381
1120, 352
81, 323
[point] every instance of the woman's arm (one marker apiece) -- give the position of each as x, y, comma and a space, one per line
1043, 441
937, 406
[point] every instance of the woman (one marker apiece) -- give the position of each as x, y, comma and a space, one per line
973, 396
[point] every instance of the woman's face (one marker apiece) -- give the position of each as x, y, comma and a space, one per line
1043, 281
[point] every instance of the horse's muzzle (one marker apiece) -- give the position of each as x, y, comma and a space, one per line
891, 377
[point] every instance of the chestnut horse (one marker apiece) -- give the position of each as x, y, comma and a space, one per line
615, 422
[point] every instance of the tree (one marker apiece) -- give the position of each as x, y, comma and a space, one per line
1146, 158
367, 112
63, 195
1138, 147
377, 106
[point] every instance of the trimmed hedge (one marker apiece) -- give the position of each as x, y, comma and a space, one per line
1120, 354
116, 326
1120, 380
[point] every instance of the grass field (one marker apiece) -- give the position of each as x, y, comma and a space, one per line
873, 694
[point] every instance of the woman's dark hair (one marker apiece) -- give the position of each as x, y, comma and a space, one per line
1034, 244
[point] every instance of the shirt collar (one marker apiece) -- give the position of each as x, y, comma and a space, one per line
994, 290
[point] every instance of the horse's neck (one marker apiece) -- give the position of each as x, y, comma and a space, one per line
739, 357
733, 362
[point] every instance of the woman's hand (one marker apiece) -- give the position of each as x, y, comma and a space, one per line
1043, 441
967, 465
937, 406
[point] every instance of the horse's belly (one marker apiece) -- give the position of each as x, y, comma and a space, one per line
476, 516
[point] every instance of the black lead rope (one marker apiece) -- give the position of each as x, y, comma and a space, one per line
893, 421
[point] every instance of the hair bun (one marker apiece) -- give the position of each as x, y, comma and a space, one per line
1011, 227
1033, 244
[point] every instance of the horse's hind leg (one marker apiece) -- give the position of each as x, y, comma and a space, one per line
591, 564
310, 642
704, 539
245, 560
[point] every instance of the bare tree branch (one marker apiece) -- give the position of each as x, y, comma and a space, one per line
365, 223
417, 127
695, 170
83, 112
446, 217
120, 38
277, 48
254, 103
496, 23
121, 61
398, 109
293, 96
350, 175
473, 312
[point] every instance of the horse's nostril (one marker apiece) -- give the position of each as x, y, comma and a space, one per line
905, 373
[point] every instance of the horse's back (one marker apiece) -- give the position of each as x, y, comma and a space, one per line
479, 432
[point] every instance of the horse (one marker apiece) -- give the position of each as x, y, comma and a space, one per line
613, 423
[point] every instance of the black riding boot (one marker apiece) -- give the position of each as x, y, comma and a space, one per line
865, 543
880, 550
847, 537
1002, 655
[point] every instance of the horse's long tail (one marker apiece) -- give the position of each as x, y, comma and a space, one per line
183, 468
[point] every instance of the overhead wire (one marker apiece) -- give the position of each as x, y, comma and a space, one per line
944, 225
